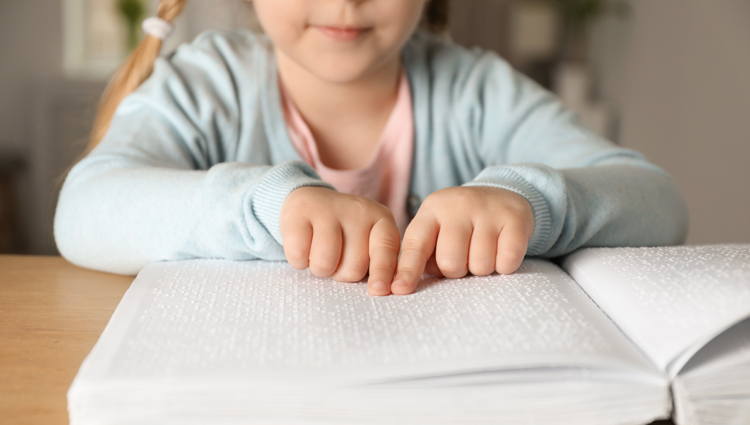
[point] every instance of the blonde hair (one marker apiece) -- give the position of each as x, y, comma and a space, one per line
136, 69
139, 66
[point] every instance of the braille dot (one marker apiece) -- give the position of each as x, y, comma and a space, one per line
683, 291
215, 316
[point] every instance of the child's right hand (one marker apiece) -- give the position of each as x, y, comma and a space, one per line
340, 236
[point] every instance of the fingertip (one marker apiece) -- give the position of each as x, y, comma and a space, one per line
402, 287
384, 248
296, 244
512, 247
326, 249
509, 265
297, 264
378, 289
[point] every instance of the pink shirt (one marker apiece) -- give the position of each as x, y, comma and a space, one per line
386, 178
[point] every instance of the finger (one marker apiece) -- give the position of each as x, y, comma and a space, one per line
511, 248
384, 245
483, 250
354, 254
325, 250
452, 250
297, 237
417, 247
432, 267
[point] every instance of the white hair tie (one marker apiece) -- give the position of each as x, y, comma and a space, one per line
158, 27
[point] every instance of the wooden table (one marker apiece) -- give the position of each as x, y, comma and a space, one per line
51, 314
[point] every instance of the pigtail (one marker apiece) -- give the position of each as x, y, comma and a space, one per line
136, 69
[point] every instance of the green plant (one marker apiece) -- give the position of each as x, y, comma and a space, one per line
133, 12
577, 17
579, 14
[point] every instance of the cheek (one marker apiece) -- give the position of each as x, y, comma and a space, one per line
398, 23
282, 20
401, 15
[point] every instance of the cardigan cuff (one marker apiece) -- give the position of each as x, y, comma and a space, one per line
504, 177
275, 186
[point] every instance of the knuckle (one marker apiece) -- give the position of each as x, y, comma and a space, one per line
323, 267
298, 263
465, 196
349, 275
289, 222
302, 198
435, 199
381, 211
461, 198
483, 268
452, 267
517, 219
411, 245
408, 272
381, 268
389, 245
430, 201
506, 267
359, 206
295, 252
353, 267
364, 210
508, 264
519, 210
513, 253
317, 271
440, 196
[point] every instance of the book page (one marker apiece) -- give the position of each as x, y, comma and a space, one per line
669, 300
714, 386
267, 323
727, 352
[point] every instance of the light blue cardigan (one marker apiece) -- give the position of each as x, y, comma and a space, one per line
197, 162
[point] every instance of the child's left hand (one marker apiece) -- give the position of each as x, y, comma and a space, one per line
465, 229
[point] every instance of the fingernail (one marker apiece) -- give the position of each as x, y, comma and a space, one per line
379, 287
400, 284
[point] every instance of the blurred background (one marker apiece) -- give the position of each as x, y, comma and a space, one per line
669, 78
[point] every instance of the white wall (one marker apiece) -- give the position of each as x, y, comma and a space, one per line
30, 49
680, 72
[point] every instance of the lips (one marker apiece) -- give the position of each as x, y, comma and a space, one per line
343, 33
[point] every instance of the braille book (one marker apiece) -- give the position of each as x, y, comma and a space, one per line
615, 336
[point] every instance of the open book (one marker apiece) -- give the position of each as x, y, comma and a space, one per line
620, 338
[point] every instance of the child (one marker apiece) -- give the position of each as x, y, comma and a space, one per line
217, 154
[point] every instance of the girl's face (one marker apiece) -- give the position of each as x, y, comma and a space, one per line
339, 40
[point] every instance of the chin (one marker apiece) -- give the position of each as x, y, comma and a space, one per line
343, 69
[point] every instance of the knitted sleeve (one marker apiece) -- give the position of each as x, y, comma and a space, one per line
166, 182
584, 190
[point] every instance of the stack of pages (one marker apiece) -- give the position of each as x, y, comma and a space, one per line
621, 338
